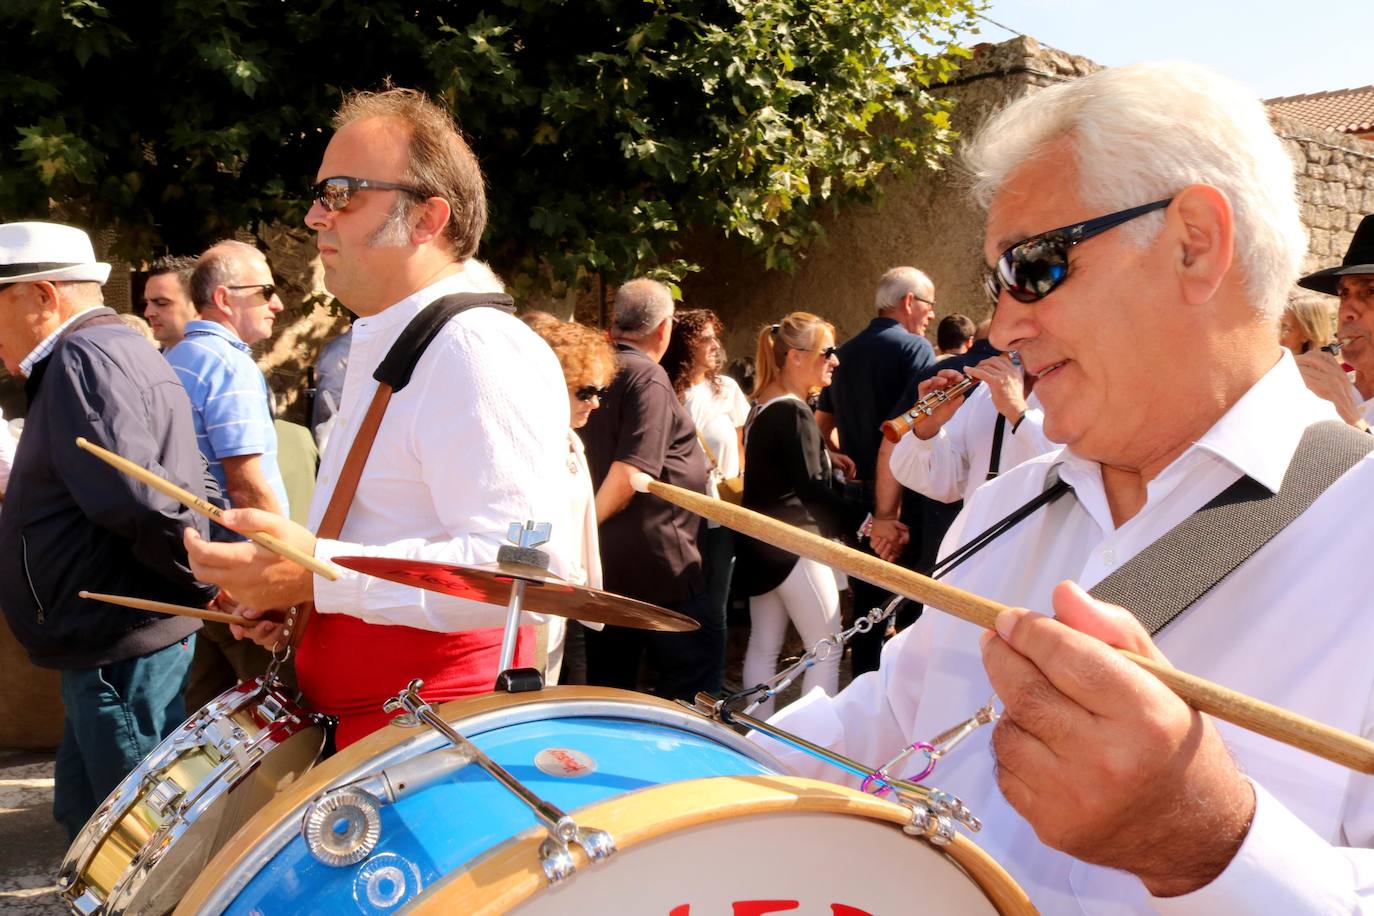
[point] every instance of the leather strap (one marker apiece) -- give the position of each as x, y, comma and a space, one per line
1168, 576
392, 375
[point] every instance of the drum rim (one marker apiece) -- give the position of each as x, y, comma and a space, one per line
272, 828
509, 874
119, 804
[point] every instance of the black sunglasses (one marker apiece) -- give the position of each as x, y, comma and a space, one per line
268, 289
587, 392
1031, 269
335, 193
827, 352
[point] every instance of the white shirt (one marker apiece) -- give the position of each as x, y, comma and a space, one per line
1291, 626
954, 462
476, 441
1366, 409
7, 446
718, 417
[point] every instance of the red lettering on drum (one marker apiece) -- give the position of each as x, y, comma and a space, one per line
748, 908
839, 909
570, 763
759, 907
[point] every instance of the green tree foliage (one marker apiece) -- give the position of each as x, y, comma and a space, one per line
607, 128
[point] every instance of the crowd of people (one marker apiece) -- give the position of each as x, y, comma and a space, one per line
1131, 375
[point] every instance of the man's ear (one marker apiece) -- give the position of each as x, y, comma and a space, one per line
434, 216
1204, 234
219, 303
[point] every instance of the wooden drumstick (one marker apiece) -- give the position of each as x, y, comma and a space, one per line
180, 610
208, 509
1266, 719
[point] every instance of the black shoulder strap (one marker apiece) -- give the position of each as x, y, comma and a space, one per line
400, 360
995, 458
1168, 576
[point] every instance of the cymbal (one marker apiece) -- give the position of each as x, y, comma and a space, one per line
545, 593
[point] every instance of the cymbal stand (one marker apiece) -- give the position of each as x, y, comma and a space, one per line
525, 539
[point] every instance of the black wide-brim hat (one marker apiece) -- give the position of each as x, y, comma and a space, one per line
1359, 259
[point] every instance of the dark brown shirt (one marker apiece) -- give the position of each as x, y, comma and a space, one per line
649, 549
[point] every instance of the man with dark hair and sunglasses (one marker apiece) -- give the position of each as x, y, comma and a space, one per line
1144, 234
236, 305
474, 441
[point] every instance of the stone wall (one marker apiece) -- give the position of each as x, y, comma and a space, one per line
925, 220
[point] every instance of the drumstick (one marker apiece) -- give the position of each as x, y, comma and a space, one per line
1257, 716
208, 509
180, 610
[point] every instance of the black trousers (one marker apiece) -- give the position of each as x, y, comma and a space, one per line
684, 663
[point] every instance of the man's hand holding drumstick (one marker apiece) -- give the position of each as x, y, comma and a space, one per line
259, 579
1167, 802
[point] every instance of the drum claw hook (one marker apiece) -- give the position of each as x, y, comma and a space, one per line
554, 855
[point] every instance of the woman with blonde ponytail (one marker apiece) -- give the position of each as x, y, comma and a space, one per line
789, 478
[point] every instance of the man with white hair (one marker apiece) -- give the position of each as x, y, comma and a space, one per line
876, 365
650, 549
471, 439
1143, 234
71, 522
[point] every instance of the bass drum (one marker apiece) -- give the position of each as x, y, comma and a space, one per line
703, 820
152, 837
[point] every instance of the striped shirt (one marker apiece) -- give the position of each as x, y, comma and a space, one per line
229, 401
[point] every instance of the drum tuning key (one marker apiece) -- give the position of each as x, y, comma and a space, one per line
554, 853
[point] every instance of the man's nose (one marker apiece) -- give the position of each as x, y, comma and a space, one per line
1012, 323
317, 217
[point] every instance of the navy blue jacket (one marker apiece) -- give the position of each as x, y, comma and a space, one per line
875, 366
72, 522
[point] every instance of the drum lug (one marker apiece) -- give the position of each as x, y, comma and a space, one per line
86, 904
163, 796
556, 860
936, 829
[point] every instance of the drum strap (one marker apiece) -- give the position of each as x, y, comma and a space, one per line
1168, 576
1172, 573
392, 375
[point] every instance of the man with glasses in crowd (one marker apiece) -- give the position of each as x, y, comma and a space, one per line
875, 367
236, 303
473, 442
72, 522
1151, 334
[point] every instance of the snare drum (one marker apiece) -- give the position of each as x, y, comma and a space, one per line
699, 815
154, 834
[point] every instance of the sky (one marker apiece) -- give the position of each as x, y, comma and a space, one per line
1275, 47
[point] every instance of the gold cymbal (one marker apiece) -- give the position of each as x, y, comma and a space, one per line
545, 593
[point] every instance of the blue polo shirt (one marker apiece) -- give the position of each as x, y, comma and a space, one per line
875, 367
229, 401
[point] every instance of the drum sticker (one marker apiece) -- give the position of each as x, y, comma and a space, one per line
563, 761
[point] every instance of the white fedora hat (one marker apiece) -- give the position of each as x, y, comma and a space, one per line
47, 251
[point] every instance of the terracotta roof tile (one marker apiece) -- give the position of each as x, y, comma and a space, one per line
1346, 110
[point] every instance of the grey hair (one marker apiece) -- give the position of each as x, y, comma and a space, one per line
395, 232
899, 281
1145, 132
640, 306
218, 266
83, 294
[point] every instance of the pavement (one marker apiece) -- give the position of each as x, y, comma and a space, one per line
31, 843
